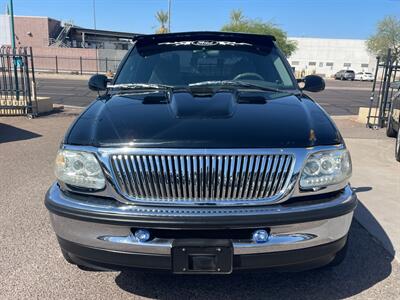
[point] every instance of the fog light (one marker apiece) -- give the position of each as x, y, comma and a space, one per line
142, 235
260, 236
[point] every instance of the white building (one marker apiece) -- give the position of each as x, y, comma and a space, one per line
328, 56
5, 38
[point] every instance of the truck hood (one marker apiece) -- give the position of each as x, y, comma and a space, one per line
220, 120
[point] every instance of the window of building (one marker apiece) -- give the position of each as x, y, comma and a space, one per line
347, 65
321, 64
329, 64
364, 65
295, 63
312, 63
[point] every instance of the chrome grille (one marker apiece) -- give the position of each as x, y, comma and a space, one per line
200, 179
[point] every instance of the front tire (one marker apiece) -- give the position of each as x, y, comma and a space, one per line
397, 148
390, 132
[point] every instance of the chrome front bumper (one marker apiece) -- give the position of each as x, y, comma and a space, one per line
82, 221
282, 238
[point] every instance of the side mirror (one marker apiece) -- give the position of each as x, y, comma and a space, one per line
395, 85
98, 82
313, 83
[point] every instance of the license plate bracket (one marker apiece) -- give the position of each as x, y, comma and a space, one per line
202, 256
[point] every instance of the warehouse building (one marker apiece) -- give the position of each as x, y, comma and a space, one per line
328, 56
63, 47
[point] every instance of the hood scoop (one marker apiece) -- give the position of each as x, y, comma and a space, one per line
251, 99
205, 106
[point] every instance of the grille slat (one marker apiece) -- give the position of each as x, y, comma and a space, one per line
271, 176
201, 178
284, 173
261, 174
195, 178
277, 176
231, 178
129, 173
242, 178
255, 175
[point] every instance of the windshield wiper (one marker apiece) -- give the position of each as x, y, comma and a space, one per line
236, 83
139, 86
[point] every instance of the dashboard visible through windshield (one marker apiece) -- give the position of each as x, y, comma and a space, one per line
189, 62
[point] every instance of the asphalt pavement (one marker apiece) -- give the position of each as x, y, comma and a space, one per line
339, 97
31, 265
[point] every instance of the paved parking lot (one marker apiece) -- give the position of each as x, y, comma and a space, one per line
31, 265
339, 98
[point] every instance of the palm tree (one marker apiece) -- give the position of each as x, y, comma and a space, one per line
237, 17
162, 19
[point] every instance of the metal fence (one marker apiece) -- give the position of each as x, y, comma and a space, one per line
76, 65
17, 82
386, 71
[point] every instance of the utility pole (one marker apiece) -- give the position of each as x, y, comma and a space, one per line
14, 51
95, 36
169, 15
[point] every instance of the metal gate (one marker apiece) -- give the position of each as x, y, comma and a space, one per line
17, 82
386, 71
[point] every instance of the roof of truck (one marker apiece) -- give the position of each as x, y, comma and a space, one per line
204, 35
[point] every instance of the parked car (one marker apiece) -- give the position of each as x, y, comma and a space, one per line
364, 76
345, 75
203, 155
393, 125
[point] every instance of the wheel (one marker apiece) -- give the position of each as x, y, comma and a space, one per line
390, 132
340, 256
397, 148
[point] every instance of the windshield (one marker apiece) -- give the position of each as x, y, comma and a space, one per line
184, 64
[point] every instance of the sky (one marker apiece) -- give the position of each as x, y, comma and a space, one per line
354, 19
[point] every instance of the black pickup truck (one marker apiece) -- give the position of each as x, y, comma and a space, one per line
203, 155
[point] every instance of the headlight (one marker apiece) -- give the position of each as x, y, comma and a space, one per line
325, 168
79, 169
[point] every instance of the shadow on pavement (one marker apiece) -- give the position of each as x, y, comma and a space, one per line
368, 221
366, 264
10, 133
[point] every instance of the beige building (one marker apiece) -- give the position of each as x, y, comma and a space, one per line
328, 56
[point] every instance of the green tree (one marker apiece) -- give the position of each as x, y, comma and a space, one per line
239, 23
387, 35
162, 19
237, 17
